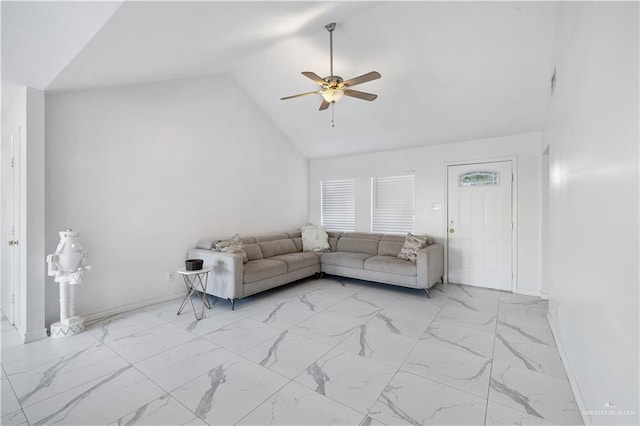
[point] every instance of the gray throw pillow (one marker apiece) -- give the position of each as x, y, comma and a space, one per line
233, 246
412, 244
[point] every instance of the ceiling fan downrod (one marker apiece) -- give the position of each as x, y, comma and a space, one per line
330, 27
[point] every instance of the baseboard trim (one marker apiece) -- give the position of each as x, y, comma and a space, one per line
526, 292
586, 419
126, 308
32, 335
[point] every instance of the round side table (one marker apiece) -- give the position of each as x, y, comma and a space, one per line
193, 282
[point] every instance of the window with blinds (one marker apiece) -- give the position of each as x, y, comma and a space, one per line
393, 204
338, 204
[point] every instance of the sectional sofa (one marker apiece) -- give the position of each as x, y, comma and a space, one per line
277, 259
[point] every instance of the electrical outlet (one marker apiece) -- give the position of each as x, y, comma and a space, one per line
171, 276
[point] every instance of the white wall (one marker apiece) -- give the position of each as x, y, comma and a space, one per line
429, 163
592, 129
143, 172
25, 117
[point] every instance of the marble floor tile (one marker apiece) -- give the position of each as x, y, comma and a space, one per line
166, 311
404, 323
296, 405
536, 394
125, 324
475, 298
412, 400
8, 400
286, 314
287, 353
183, 363
162, 411
361, 306
58, 375
439, 293
16, 418
417, 305
466, 339
10, 337
327, 327
532, 356
106, 398
438, 361
212, 320
529, 310
455, 313
243, 335
348, 378
378, 344
22, 357
149, 342
332, 350
525, 331
498, 414
321, 296
229, 392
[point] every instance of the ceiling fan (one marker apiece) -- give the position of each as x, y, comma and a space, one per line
333, 86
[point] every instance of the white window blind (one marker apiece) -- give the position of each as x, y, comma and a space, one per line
338, 204
393, 204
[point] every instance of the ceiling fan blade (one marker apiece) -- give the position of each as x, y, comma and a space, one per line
324, 105
315, 77
373, 75
360, 95
300, 95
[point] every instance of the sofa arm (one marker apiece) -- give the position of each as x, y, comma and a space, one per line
430, 265
225, 280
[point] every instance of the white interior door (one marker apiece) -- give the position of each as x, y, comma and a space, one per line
480, 224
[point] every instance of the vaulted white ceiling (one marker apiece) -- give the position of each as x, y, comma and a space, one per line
451, 71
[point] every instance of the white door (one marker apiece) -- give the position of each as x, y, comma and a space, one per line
480, 224
14, 249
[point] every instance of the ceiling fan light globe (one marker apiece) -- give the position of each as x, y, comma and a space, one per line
332, 95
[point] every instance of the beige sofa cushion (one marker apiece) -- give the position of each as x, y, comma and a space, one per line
391, 265
253, 251
390, 245
277, 247
297, 261
257, 270
358, 245
346, 259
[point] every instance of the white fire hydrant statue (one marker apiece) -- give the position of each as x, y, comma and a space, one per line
68, 265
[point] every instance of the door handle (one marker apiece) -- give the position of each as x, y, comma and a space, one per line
451, 230
13, 242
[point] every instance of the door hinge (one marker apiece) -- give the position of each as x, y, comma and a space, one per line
12, 162
512, 275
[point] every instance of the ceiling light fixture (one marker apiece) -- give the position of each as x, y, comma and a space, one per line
332, 95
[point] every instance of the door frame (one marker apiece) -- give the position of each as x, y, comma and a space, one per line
514, 212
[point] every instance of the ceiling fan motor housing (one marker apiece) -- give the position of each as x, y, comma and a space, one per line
333, 81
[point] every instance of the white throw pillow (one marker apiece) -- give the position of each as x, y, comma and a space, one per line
314, 238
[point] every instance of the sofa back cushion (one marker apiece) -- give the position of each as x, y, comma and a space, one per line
390, 245
357, 242
253, 251
298, 242
277, 247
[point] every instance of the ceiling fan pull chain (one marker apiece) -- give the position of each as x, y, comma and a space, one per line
333, 124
